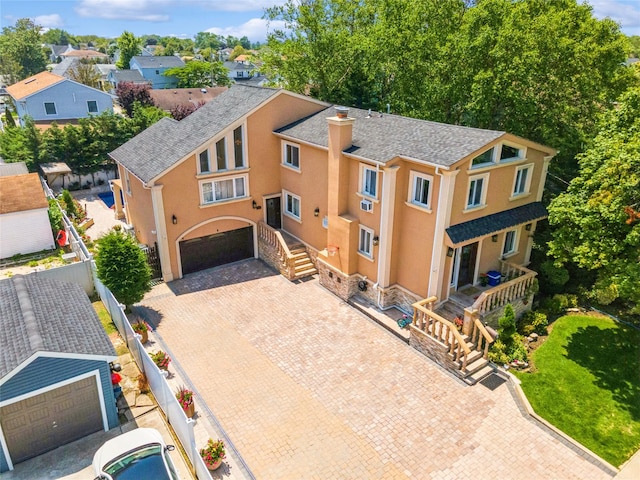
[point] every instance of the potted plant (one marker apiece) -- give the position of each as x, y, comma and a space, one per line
142, 328
484, 279
161, 359
458, 322
213, 454
185, 399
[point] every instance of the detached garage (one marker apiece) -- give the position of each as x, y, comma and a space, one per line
214, 250
55, 380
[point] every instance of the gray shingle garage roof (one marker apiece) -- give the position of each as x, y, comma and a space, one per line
496, 222
383, 137
166, 142
35, 318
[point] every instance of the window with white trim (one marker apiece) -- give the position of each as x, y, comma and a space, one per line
368, 181
510, 243
238, 147
204, 165
292, 205
50, 108
92, 106
291, 155
522, 182
365, 244
477, 191
485, 158
219, 190
510, 152
420, 193
221, 154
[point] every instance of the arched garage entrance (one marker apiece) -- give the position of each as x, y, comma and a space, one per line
220, 245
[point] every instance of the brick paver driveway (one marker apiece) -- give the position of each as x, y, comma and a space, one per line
306, 387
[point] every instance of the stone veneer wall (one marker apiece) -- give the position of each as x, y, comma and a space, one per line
269, 254
518, 305
432, 348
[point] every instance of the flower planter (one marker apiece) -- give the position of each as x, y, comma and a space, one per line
144, 335
213, 466
190, 410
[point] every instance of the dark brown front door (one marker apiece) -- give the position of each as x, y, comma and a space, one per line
467, 264
44, 422
274, 218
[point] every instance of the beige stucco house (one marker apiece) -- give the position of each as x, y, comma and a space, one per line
391, 208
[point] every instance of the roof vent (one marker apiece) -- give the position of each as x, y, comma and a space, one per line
342, 112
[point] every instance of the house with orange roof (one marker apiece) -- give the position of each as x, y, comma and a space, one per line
24, 217
47, 97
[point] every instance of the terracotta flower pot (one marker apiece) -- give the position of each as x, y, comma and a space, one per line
190, 410
215, 465
145, 336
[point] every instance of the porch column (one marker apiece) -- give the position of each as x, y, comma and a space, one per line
161, 230
117, 199
443, 218
387, 212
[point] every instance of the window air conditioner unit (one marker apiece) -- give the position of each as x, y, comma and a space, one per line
366, 205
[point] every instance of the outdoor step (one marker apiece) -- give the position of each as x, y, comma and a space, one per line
301, 260
475, 366
298, 251
303, 266
480, 374
306, 273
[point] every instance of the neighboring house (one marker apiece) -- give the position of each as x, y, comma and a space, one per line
239, 70
57, 51
168, 99
89, 54
13, 168
153, 67
115, 77
104, 69
65, 67
48, 98
24, 215
224, 54
391, 208
55, 380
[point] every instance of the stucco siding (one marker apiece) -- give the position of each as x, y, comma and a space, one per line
25, 232
45, 371
70, 101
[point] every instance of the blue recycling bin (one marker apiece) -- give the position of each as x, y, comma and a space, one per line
494, 278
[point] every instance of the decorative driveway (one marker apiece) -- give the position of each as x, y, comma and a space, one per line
309, 388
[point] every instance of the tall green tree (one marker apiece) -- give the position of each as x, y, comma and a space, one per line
57, 36
197, 74
597, 220
20, 45
86, 73
129, 47
122, 267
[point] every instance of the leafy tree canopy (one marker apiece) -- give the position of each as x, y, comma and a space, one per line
597, 219
129, 92
21, 54
129, 47
57, 36
122, 266
86, 73
197, 74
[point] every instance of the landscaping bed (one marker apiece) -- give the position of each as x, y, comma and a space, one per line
585, 381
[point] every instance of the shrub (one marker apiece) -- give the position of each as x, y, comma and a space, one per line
55, 217
509, 346
552, 278
559, 303
69, 204
532, 321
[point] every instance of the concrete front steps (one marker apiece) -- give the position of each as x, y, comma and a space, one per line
303, 265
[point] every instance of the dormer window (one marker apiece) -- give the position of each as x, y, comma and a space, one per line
509, 152
485, 158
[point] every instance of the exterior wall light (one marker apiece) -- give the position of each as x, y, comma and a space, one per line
527, 227
256, 206
174, 219
449, 252
494, 238
376, 240
316, 212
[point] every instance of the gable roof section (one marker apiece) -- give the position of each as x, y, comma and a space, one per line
168, 98
166, 142
19, 193
64, 67
13, 168
496, 222
158, 61
33, 319
127, 76
381, 138
84, 54
33, 84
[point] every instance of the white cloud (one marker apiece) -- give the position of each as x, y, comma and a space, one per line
145, 10
49, 21
254, 29
625, 12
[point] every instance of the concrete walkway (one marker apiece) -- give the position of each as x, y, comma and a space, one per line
307, 387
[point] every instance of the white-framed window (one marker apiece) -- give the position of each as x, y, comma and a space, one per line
222, 189
238, 147
522, 181
127, 182
485, 158
368, 181
221, 154
292, 205
477, 194
50, 108
511, 152
291, 155
92, 106
510, 242
365, 243
420, 189
204, 163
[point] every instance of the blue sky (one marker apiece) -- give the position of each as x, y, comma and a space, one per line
184, 18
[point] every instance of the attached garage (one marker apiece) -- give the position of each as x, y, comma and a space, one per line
55, 380
213, 250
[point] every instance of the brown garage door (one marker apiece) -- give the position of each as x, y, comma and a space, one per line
44, 422
214, 250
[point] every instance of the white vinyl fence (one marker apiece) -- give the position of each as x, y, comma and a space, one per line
163, 393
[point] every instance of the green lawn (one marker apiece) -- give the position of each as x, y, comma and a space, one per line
587, 384
104, 317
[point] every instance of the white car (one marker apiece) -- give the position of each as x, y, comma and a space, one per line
139, 455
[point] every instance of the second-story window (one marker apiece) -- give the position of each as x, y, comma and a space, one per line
203, 158
369, 181
477, 191
92, 106
50, 108
522, 181
238, 148
223, 189
420, 189
291, 155
221, 154
510, 244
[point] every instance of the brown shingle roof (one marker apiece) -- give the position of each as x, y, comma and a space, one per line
33, 84
21, 192
166, 99
84, 54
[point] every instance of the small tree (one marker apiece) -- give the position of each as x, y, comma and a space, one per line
69, 204
55, 216
509, 346
122, 266
128, 93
